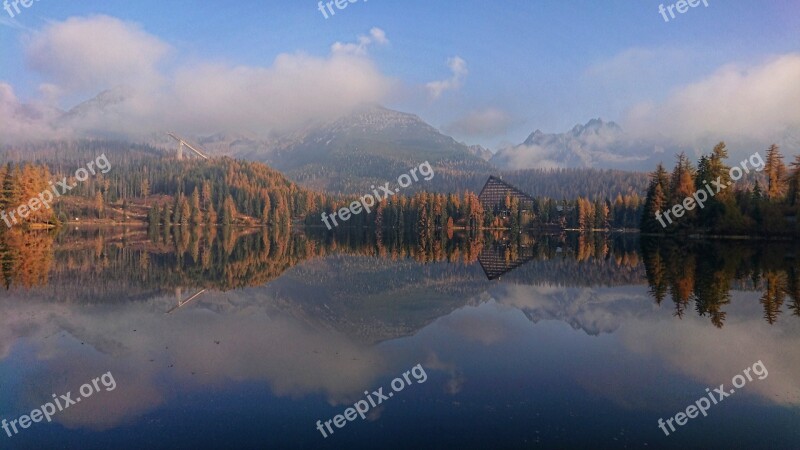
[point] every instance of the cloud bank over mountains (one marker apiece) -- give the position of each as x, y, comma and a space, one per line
758, 101
82, 54
129, 83
145, 87
748, 107
597, 144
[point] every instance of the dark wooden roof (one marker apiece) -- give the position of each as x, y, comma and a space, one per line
494, 263
493, 180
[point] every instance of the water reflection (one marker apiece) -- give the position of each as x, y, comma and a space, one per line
702, 274
109, 265
25, 257
319, 318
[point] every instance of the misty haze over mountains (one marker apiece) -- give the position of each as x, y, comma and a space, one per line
374, 136
299, 105
596, 144
372, 144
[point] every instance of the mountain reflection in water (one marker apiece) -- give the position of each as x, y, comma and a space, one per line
194, 322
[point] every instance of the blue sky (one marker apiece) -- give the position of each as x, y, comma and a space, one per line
529, 64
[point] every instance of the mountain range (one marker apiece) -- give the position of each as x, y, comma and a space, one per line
374, 144
371, 145
596, 144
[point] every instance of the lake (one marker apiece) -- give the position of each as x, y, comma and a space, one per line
254, 339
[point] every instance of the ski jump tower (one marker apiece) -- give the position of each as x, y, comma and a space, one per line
182, 143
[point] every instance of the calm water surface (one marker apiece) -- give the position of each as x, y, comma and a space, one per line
246, 339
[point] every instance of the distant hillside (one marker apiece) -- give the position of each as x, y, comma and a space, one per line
216, 191
135, 161
568, 183
571, 183
375, 145
370, 146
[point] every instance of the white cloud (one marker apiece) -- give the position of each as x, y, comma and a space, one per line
96, 53
690, 347
360, 47
296, 89
295, 359
486, 122
735, 102
459, 69
19, 121
695, 351
83, 56
528, 157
